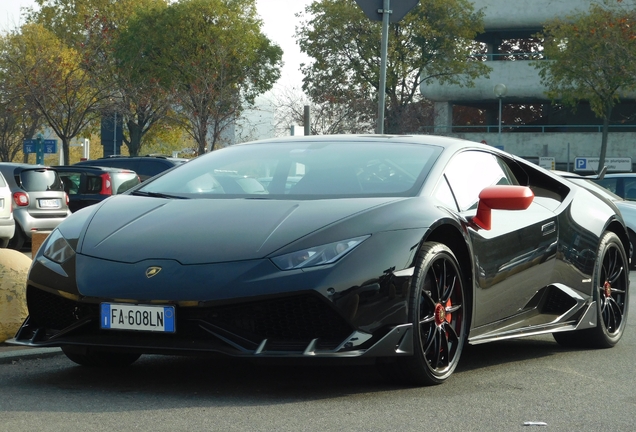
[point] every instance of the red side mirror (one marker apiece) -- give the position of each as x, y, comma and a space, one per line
506, 197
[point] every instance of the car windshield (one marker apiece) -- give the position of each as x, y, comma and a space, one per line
301, 170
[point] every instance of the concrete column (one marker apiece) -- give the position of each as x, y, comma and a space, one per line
443, 118
490, 50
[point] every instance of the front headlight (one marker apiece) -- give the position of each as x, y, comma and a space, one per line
57, 248
319, 255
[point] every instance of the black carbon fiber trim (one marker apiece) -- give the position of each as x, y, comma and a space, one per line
288, 323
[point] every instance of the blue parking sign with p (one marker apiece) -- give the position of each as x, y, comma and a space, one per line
581, 163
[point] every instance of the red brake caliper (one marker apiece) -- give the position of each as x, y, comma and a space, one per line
449, 317
441, 315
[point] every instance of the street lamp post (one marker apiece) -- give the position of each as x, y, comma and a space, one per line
117, 100
115, 133
500, 91
384, 43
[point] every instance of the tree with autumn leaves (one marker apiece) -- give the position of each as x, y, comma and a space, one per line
591, 57
198, 64
50, 76
19, 117
210, 55
432, 42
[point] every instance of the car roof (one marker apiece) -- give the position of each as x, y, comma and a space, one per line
614, 175
145, 157
23, 165
91, 168
15, 168
438, 140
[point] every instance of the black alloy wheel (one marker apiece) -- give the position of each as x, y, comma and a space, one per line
611, 293
438, 311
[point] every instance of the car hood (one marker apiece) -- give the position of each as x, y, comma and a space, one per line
130, 229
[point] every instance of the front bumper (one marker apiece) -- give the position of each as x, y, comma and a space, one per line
7, 230
301, 325
29, 224
355, 307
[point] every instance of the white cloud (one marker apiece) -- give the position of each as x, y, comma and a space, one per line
10, 13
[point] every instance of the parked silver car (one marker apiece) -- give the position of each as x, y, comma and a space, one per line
7, 223
622, 184
39, 200
627, 208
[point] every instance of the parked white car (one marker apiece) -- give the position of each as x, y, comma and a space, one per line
7, 223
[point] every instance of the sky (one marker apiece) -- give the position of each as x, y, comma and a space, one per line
278, 24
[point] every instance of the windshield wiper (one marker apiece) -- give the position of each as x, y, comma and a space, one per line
157, 195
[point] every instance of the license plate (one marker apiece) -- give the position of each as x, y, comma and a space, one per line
137, 317
49, 203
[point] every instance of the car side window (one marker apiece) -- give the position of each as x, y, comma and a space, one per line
93, 184
609, 184
71, 182
468, 173
149, 168
444, 194
629, 186
111, 162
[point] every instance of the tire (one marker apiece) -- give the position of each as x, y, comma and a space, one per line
439, 313
94, 358
18, 239
611, 294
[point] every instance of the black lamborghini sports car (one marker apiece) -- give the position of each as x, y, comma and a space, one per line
398, 249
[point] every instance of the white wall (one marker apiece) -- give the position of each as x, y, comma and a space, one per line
529, 145
515, 14
520, 77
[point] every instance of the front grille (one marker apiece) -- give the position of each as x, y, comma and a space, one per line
55, 312
295, 320
288, 323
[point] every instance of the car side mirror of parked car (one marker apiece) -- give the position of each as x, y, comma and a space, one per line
503, 197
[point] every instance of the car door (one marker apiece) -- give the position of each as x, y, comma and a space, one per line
515, 257
73, 185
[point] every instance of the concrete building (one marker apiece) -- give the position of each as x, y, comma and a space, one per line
564, 135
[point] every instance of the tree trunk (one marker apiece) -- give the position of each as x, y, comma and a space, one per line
202, 133
392, 121
66, 148
134, 131
605, 133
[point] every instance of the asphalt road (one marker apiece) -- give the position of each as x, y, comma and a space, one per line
497, 387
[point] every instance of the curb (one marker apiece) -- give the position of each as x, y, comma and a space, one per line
9, 356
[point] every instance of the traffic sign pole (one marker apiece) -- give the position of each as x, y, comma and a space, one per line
39, 150
380, 10
386, 14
